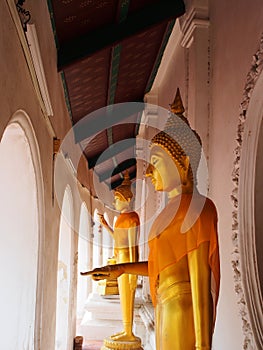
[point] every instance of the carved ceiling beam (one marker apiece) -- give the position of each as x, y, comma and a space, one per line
105, 118
112, 151
119, 168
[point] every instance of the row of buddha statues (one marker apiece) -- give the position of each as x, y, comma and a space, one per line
183, 262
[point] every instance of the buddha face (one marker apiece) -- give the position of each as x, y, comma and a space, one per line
164, 173
120, 204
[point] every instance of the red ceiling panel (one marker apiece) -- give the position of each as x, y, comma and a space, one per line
108, 52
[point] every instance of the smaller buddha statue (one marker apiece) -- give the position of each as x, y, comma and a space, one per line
125, 235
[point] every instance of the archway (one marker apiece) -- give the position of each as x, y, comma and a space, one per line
64, 272
248, 198
19, 227
107, 242
259, 206
84, 286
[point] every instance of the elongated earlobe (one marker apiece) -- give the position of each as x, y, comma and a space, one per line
149, 170
185, 170
184, 179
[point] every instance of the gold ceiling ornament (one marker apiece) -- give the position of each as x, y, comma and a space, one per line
124, 190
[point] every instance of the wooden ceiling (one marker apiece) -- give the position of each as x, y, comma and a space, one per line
109, 52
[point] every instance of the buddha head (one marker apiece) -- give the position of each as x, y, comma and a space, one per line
123, 193
175, 152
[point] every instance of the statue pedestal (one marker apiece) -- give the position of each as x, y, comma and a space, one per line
108, 287
102, 317
110, 344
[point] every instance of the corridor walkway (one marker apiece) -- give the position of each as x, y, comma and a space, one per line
92, 345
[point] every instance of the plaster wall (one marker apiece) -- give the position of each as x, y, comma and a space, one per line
258, 205
19, 252
234, 36
235, 30
18, 93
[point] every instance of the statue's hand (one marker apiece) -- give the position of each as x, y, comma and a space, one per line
102, 220
105, 272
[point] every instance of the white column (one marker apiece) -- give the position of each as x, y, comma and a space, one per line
195, 29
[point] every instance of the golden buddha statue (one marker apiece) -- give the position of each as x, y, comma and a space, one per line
183, 262
125, 235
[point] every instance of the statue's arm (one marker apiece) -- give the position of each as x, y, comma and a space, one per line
104, 223
200, 278
136, 268
116, 270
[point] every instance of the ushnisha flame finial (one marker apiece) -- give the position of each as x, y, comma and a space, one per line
126, 181
178, 138
177, 105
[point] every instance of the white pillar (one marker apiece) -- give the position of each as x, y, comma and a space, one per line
195, 40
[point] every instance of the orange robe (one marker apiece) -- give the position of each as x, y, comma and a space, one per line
120, 234
185, 223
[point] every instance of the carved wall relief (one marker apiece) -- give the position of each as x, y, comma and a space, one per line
244, 229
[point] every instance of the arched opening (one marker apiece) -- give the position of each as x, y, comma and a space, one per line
97, 246
64, 271
258, 207
107, 243
248, 246
84, 262
19, 240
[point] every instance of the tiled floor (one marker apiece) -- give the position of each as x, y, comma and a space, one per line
92, 345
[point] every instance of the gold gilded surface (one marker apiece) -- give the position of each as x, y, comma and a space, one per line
124, 190
183, 265
109, 286
177, 105
125, 235
110, 344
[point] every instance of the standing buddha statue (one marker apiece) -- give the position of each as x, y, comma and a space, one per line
125, 235
183, 262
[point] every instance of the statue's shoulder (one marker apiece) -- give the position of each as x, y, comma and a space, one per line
128, 219
134, 216
210, 207
210, 203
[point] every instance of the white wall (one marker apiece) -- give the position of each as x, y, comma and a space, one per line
19, 241
84, 259
234, 36
19, 95
64, 275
